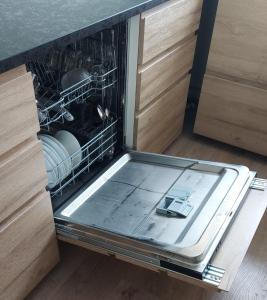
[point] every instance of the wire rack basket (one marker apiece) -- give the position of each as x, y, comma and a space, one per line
96, 56
96, 149
53, 104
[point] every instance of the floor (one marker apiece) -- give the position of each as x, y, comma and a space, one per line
88, 275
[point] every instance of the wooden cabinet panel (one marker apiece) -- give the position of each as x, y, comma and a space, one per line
167, 24
239, 42
18, 114
158, 76
162, 122
26, 240
12, 74
236, 243
35, 272
22, 175
233, 113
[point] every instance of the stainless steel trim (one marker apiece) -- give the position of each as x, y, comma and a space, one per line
259, 184
63, 231
132, 56
213, 275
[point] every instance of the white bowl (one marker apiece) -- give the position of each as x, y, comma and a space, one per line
69, 141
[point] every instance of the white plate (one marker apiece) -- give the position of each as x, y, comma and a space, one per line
59, 167
55, 157
61, 150
51, 173
69, 141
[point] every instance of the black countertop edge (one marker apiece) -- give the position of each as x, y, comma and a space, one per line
31, 54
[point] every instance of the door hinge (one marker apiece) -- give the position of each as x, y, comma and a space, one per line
258, 184
213, 275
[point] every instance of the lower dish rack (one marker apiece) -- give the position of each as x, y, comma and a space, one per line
101, 145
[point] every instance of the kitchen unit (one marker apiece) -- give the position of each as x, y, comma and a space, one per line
165, 58
165, 213
233, 97
27, 232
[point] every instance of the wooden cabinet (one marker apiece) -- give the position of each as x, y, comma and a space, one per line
154, 79
159, 124
239, 42
167, 44
25, 239
18, 116
22, 175
233, 102
234, 113
235, 245
166, 25
27, 232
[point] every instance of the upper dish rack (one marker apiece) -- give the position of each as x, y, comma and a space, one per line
54, 108
97, 63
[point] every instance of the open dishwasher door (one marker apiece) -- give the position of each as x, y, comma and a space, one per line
166, 212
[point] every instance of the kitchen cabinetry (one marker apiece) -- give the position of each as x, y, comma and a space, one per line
113, 211
18, 120
28, 248
166, 51
233, 106
156, 129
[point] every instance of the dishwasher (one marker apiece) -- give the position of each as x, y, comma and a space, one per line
165, 211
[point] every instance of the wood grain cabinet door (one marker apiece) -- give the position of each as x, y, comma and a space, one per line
155, 78
28, 248
18, 114
167, 42
233, 103
159, 124
239, 41
28, 244
166, 25
233, 113
22, 176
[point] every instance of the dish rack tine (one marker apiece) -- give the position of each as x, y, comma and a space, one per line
96, 148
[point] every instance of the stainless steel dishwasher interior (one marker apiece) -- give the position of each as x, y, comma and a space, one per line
80, 88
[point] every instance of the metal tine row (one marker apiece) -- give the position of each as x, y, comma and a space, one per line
92, 54
96, 148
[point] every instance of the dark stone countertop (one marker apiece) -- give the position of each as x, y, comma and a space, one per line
30, 27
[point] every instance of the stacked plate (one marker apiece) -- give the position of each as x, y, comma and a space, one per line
62, 154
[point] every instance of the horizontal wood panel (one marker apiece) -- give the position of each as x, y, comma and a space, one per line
25, 238
162, 122
167, 24
239, 41
18, 114
233, 113
22, 175
12, 74
162, 73
235, 245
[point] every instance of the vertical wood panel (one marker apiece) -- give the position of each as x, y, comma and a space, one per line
162, 122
